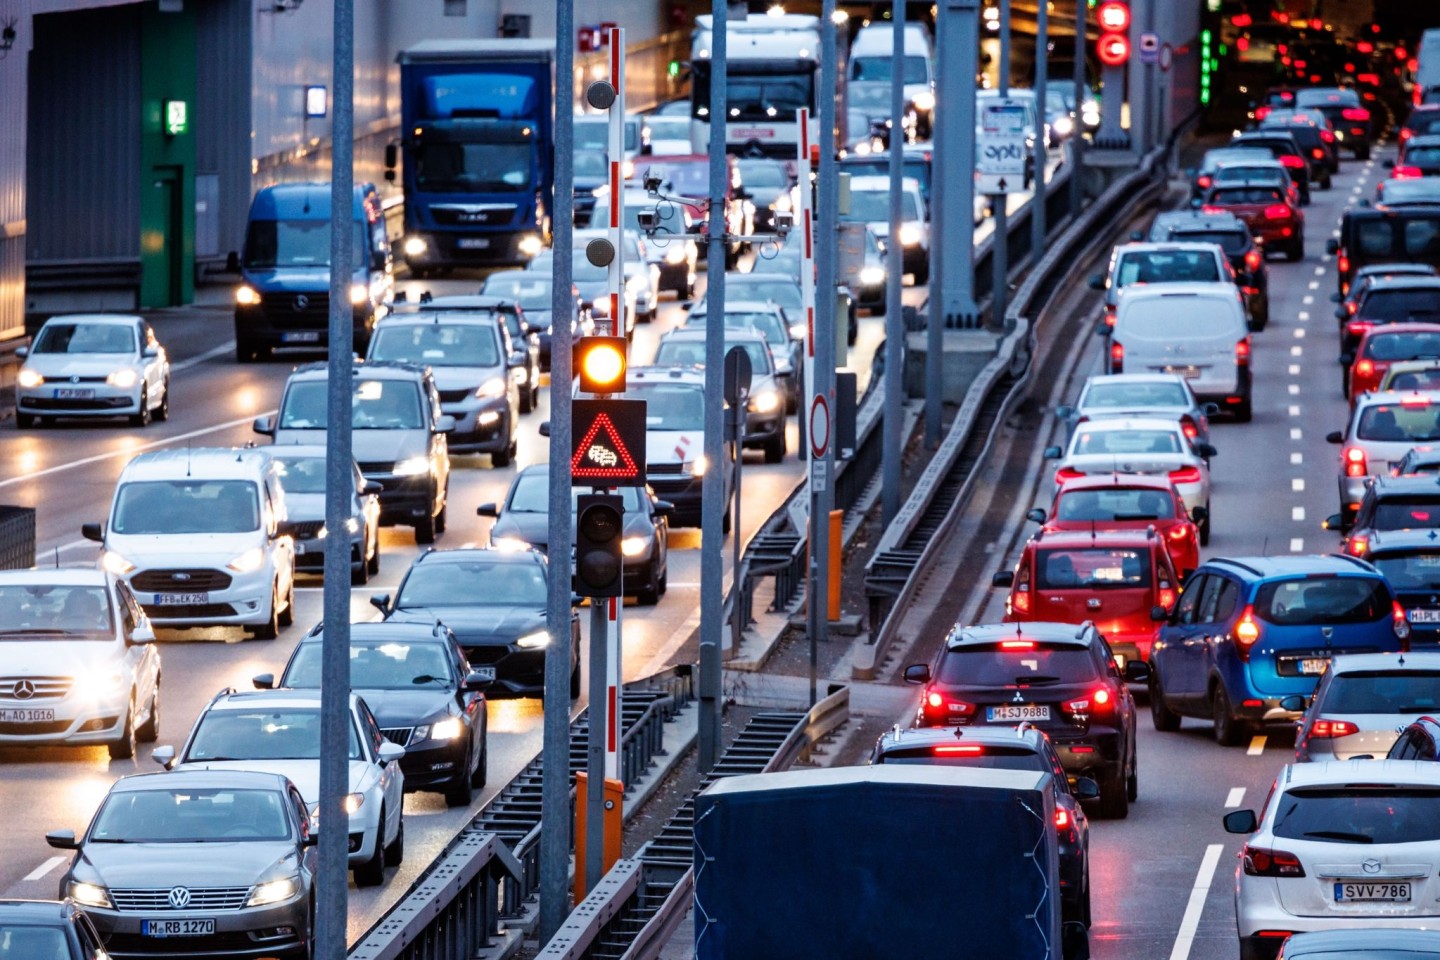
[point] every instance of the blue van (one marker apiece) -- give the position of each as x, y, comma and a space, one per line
1250, 637
284, 297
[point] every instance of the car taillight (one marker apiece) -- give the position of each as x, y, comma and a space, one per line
1292, 161
1407, 173
1277, 211
1356, 546
1330, 729
1343, 262
940, 707
1326, 136
1109, 316
1317, 153
1100, 700
1062, 816
1400, 623
1166, 595
1203, 182
1185, 475
1406, 133
1365, 368
1180, 531
1188, 424
1117, 357
1017, 644
1212, 208
1355, 113
1247, 632
1260, 112
958, 750
1242, 351
1253, 259
1067, 473
1260, 862
1355, 465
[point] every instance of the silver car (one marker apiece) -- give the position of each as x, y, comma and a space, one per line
765, 411
221, 861
1363, 701
1166, 395
93, 365
302, 476
1383, 428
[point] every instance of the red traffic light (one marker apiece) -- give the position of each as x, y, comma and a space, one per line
1113, 16
1113, 49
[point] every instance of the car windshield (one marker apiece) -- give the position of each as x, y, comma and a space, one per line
1400, 306
148, 507
994, 665
264, 733
183, 814
491, 582
26, 941
769, 174
302, 474
784, 293
1418, 190
1417, 570
870, 206
961, 754
531, 494
438, 344
690, 178
377, 665
1167, 266
532, 292
1359, 814
1407, 513
1093, 568
673, 406
1403, 346
1127, 442
1233, 242
1383, 691
1397, 423
767, 324
668, 128
1121, 394
34, 611
1115, 503
84, 338
1250, 173
374, 405
673, 352
1245, 195
882, 68
590, 164
272, 244
1310, 601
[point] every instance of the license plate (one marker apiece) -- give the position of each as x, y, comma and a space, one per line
26, 715
177, 928
74, 393
1189, 373
486, 673
1372, 892
300, 336
180, 599
299, 547
1423, 616
1019, 711
1314, 665
473, 243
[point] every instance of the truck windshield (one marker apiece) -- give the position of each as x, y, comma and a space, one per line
878, 68
270, 244
766, 97
443, 167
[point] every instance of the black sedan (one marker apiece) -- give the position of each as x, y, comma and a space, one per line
523, 520
494, 601
424, 695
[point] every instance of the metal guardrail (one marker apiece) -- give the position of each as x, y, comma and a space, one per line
17, 538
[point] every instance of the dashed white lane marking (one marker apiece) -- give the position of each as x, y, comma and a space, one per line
1307, 300
224, 349
1294, 389
1297, 484
1319, 271
1190, 922
1294, 411
1297, 545
1296, 433
1297, 457
1297, 350
1257, 746
54, 862
1297, 513
1294, 367
1236, 796
1313, 285
1299, 333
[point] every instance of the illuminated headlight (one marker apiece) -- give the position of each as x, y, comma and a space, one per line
352, 525
359, 293
634, 546
491, 389
412, 467
909, 234
696, 467
123, 379
766, 401
530, 245
116, 564
247, 296
447, 729
534, 641
1063, 126
676, 254
249, 561
627, 169
872, 276
782, 203
274, 891
925, 101
797, 331
487, 418
353, 803
29, 378
90, 894
509, 544
862, 149
96, 686
1090, 114
415, 246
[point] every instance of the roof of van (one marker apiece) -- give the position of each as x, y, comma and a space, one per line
200, 463
1179, 291
879, 38
310, 199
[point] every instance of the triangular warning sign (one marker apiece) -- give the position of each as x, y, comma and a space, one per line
601, 454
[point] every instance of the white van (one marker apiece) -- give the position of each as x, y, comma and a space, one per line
202, 538
1196, 330
870, 61
1427, 68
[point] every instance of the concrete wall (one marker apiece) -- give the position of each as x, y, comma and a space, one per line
1175, 93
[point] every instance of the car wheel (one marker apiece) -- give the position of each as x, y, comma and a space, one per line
1205, 527
725, 520
245, 351
395, 849
1229, 729
775, 446
162, 412
575, 682
649, 595
374, 561
502, 458
442, 518
142, 418
149, 731
425, 530
360, 572
1245, 412
1114, 801
371, 873
270, 629
922, 274
1165, 719
1132, 782
1296, 251
527, 399
477, 779
124, 748
663, 583
460, 793
286, 617
26, 421
1362, 152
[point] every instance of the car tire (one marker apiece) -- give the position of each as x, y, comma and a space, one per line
527, 400
360, 572
270, 629
286, 617
371, 873
443, 517
1362, 152
425, 530
725, 521
149, 731
478, 777
124, 748
1132, 782
459, 793
26, 421
649, 595
1244, 413
1164, 719
1205, 524
503, 458
245, 351
1114, 802
374, 562
922, 274
775, 446
1229, 729
142, 418
575, 682
395, 849
1295, 252
162, 412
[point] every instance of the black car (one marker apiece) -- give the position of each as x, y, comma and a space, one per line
1419, 157
494, 601
523, 520
1001, 748
763, 182
424, 694
1353, 122
1245, 256
1417, 741
1369, 235
1058, 676
1321, 156
1284, 147
1410, 561
48, 929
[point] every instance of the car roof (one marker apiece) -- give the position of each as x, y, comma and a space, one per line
751, 306
57, 576
1423, 453
731, 335
694, 375
1413, 281
281, 451
1293, 565
1390, 329
1085, 538
199, 463
413, 631
1386, 541
1164, 246
1066, 634
1333, 943
1399, 269
1423, 140
872, 183
370, 369
901, 737
1192, 288
250, 699
1101, 378
1241, 184
117, 319
35, 910
758, 275
1347, 772
200, 779
1250, 136
491, 554
1129, 423
1405, 485
1200, 220
1355, 662
470, 315
1116, 481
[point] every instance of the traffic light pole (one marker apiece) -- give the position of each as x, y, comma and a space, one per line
1077, 138
1042, 79
594, 798
894, 442
1000, 203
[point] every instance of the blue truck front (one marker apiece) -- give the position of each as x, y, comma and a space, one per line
478, 152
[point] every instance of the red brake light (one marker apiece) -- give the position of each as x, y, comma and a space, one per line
1187, 423
940, 708
1407, 173
1329, 729
1167, 596
1357, 327
1355, 465
1203, 181
1020, 599
1355, 113
1185, 475
1117, 357
1017, 644
1109, 316
1277, 211
1343, 262
1356, 546
1260, 862
1067, 473
1262, 112
1326, 136
1102, 697
1253, 259
1212, 208
1406, 133
935, 700
1292, 161
1247, 632
1364, 368
1318, 153
1180, 531
1400, 623
1242, 351
958, 750
1062, 818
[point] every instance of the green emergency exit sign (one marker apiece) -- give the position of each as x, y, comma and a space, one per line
177, 117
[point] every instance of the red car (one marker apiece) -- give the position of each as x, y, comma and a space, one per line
1381, 346
1126, 502
1268, 211
1123, 580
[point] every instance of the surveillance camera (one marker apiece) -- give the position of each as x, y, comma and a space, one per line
784, 222
652, 184
649, 220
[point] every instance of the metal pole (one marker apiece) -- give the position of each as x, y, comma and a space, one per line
331, 896
810, 382
737, 424
827, 251
1077, 139
1000, 203
620, 323
1042, 79
894, 268
594, 798
555, 778
712, 497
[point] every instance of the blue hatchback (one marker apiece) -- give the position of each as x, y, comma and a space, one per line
1250, 636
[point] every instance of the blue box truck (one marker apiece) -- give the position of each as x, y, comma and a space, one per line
477, 143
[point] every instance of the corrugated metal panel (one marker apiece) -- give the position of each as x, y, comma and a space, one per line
84, 146
12, 176
222, 114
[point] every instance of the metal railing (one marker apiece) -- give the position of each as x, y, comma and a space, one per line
17, 538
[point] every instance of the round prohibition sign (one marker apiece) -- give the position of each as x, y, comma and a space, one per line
819, 425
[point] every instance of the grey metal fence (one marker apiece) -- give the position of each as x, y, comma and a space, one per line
17, 538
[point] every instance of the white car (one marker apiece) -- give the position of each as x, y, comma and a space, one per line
1339, 845
80, 665
870, 205
278, 731
642, 278
1383, 427
93, 365
1144, 445
1363, 699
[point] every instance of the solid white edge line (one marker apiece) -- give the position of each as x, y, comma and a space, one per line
44, 868
1235, 797
220, 351
1190, 922
1257, 746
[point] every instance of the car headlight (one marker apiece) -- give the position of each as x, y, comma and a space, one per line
533, 641
447, 729
696, 467
90, 894
627, 169
509, 544
634, 546
249, 561
530, 245
1090, 114
352, 524
909, 234
766, 401
872, 276
1062, 126
415, 246
246, 295
116, 564
96, 686
29, 378
491, 389
273, 891
798, 331
412, 467
122, 378
924, 100
359, 293
782, 203
863, 148
676, 253
353, 803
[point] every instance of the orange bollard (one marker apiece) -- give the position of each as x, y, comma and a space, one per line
837, 524
613, 825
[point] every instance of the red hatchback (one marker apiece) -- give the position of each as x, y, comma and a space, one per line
1122, 580
1267, 210
1381, 346
1127, 502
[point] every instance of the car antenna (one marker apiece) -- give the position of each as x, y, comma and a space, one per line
57, 558
1265, 548
187, 459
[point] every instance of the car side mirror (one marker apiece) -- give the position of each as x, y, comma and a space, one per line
444, 424
1137, 235
1334, 436
545, 428
62, 840
1332, 246
149, 353
1388, 164
488, 510
22, 352
1206, 450
1240, 821
380, 601
1339, 313
265, 426
576, 600
263, 681
1293, 703
313, 837
1335, 521
664, 508
1199, 514
1158, 614
1097, 281
372, 488
1052, 453
1064, 411
1035, 516
917, 673
93, 531
390, 751
1138, 671
142, 635
163, 755
477, 681
1085, 789
517, 358
1005, 578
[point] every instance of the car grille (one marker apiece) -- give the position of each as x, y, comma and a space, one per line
674, 469
41, 688
50, 403
455, 396
188, 611
307, 529
479, 656
218, 944
400, 735
494, 215
179, 581
377, 466
201, 898
299, 310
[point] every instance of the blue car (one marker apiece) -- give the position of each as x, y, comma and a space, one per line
1250, 637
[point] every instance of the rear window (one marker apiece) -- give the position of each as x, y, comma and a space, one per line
1278, 147
1233, 242
996, 666
1128, 394
1403, 346
1358, 814
1399, 237
1166, 267
1313, 601
1384, 691
1234, 195
1400, 513
1183, 315
1397, 423
1401, 306
1269, 174
1093, 568
1127, 442
987, 756
1115, 504
1428, 379
1423, 156
1410, 571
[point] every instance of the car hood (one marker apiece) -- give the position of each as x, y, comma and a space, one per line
48, 658
368, 446
308, 506
406, 708
177, 549
534, 529
305, 774
58, 365
462, 378
495, 623
673, 446
214, 864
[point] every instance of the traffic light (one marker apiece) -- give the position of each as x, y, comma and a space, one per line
601, 364
1208, 65
1113, 47
599, 531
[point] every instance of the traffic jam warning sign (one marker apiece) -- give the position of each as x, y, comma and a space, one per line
609, 442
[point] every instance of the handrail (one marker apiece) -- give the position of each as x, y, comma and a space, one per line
611, 896
819, 723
